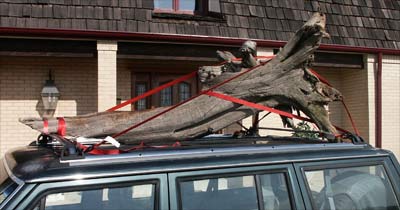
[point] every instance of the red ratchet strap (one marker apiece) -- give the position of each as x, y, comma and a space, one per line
142, 145
351, 118
264, 108
209, 92
169, 84
256, 106
61, 129
185, 101
153, 91
322, 79
45, 126
353, 124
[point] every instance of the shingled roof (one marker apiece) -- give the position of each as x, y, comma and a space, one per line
369, 23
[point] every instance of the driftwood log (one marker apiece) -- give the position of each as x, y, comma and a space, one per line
283, 83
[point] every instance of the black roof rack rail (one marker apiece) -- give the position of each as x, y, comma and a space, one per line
68, 149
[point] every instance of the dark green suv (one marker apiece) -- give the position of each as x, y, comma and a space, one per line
235, 174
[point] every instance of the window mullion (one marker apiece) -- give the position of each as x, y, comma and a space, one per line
259, 192
175, 5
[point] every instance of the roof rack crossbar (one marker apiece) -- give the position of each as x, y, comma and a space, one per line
70, 150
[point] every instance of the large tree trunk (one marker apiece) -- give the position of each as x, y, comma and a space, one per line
284, 81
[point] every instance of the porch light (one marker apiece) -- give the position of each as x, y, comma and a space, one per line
50, 95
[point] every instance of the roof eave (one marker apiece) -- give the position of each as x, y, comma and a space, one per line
138, 36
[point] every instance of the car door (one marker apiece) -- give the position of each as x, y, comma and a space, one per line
126, 192
245, 188
359, 183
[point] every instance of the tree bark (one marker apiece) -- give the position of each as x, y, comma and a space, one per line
284, 81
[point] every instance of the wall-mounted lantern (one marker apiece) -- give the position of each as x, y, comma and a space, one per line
50, 95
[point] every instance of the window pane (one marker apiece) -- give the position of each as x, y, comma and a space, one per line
184, 91
142, 103
364, 187
134, 197
166, 97
219, 193
275, 191
187, 5
163, 4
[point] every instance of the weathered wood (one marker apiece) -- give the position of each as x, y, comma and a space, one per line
283, 82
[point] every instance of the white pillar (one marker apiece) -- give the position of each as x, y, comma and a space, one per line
106, 74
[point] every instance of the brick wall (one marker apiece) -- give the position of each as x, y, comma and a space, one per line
124, 78
21, 81
355, 91
391, 103
335, 79
353, 84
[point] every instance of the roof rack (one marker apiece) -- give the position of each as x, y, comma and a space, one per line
64, 147
68, 149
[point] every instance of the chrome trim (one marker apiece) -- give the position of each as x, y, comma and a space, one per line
136, 172
139, 156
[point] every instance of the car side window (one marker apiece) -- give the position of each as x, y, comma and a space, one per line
275, 192
238, 192
134, 197
362, 187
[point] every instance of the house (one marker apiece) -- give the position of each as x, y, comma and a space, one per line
103, 52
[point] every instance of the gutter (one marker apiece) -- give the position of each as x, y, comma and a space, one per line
136, 36
378, 103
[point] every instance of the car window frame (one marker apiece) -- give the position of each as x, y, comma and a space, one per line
296, 199
44, 189
387, 165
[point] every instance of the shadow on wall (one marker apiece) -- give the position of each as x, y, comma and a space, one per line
22, 80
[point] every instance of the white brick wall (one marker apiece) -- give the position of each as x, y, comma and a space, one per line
124, 85
21, 81
355, 90
391, 103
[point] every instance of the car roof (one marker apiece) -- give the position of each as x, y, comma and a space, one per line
43, 164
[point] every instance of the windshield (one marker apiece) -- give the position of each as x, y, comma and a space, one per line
7, 186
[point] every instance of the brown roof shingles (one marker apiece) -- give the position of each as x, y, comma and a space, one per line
370, 23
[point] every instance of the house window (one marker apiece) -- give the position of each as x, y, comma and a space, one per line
186, 6
184, 91
197, 7
141, 87
166, 97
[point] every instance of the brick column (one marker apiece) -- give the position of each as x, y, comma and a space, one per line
106, 74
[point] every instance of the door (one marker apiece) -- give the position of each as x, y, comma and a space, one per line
361, 183
128, 192
245, 188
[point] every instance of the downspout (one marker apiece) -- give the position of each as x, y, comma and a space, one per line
378, 103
